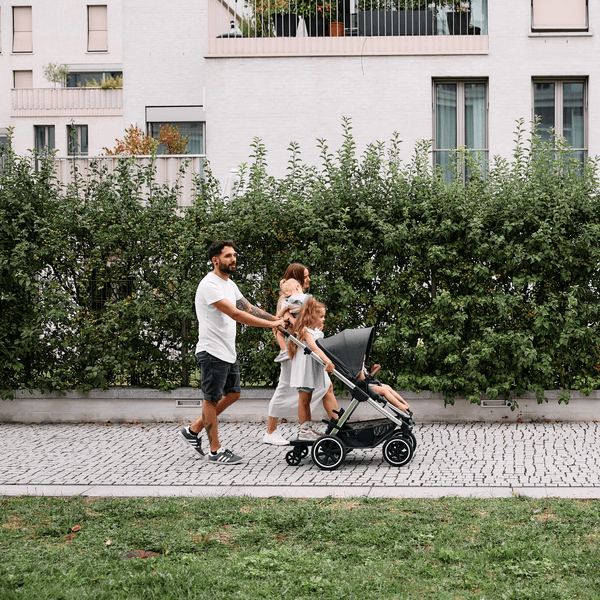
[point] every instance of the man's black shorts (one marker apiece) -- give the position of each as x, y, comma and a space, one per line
219, 378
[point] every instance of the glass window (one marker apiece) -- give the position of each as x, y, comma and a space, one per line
77, 136
44, 137
561, 107
460, 121
193, 129
22, 29
91, 78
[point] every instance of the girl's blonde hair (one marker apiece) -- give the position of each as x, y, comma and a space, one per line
306, 318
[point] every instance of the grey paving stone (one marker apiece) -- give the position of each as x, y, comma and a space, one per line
449, 456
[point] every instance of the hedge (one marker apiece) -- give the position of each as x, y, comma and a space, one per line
480, 287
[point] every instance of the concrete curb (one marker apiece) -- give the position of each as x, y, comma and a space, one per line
127, 404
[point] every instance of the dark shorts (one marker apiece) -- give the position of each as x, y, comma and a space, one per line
219, 378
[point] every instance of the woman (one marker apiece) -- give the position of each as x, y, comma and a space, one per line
284, 402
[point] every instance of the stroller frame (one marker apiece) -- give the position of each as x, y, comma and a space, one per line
394, 431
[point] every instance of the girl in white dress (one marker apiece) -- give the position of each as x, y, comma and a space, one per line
307, 374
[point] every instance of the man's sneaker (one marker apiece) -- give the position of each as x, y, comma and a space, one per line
308, 434
192, 440
282, 356
224, 457
275, 438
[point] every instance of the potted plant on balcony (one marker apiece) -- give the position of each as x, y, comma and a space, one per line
396, 17
317, 14
278, 12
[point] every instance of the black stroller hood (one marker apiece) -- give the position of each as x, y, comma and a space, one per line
347, 350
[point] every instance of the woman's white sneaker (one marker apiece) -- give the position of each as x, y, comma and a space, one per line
276, 439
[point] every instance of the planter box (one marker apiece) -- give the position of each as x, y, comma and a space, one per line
125, 404
395, 22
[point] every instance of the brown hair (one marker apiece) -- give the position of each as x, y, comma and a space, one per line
306, 318
296, 271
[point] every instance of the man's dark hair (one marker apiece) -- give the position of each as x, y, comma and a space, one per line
217, 247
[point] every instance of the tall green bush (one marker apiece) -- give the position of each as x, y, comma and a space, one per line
483, 287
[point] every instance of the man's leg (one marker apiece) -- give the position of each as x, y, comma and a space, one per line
226, 401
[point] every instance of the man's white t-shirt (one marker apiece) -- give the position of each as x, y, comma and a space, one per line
216, 330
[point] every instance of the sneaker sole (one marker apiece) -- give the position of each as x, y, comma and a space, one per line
189, 446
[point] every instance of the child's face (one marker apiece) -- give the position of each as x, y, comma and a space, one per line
320, 321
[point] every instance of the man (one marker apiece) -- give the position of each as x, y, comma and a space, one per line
219, 304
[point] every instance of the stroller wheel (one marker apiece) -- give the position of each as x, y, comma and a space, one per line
397, 451
329, 452
294, 457
412, 439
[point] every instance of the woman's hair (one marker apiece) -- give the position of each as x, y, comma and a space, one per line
306, 318
295, 271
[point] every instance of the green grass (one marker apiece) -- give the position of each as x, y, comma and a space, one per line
513, 548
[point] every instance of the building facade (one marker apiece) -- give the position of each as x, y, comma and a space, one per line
457, 73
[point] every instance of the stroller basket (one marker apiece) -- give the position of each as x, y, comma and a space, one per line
348, 351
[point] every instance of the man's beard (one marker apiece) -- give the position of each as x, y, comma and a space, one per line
228, 269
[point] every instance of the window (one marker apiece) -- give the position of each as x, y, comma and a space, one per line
460, 121
44, 138
3, 138
22, 30
22, 79
91, 78
561, 105
77, 136
193, 129
97, 29
558, 15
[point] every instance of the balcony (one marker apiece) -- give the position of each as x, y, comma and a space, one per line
346, 27
66, 102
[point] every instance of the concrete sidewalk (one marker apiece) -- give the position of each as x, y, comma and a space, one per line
459, 459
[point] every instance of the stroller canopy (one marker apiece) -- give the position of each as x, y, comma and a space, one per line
347, 350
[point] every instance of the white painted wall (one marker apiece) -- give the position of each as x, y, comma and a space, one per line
302, 99
163, 55
59, 36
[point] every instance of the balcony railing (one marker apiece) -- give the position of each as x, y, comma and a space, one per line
66, 102
346, 27
170, 169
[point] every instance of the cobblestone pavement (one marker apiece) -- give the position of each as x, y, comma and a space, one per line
467, 459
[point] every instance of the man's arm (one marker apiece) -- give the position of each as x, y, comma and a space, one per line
246, 313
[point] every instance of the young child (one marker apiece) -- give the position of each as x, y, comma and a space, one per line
382, 389
290, 302
307, 374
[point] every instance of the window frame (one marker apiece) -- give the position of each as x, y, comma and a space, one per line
559, 105
22, 31
90, 47
460, 82
71, 150
46, 128
550, 28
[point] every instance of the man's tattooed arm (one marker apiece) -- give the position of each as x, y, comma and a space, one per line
243, 304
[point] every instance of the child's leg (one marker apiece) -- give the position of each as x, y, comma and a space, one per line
304, 413
330, 403
397, 396
387, 392
281, 340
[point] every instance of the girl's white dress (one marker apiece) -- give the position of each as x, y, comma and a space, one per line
307, 372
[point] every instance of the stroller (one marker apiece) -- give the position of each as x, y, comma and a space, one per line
347, 351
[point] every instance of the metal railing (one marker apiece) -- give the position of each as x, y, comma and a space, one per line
232, 19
